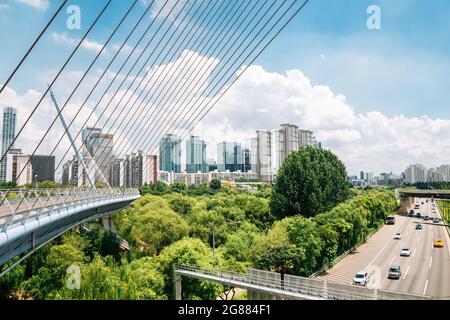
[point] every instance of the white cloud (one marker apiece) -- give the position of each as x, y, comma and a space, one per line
4, 7
65, 39
92, 45
38, 4
368, 141
62, 38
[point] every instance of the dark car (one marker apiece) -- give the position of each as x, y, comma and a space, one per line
418, 215
411, 213
390, 220
426, 218
418, 226
394, 272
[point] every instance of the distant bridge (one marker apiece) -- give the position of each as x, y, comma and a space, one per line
435, 194
31, 218
406, 196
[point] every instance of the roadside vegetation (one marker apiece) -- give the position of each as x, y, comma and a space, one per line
173, 225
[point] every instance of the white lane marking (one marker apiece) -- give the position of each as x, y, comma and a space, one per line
418, 239
402, 244
406, 272
431, 261
393, 258
414, 253
406, 234
425, 289
384, 246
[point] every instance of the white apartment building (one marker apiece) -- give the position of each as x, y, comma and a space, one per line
416, 173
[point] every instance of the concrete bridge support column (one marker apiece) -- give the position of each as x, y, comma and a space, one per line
177, 286
405, 202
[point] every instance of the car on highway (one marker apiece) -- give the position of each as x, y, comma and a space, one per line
405, 252
417, 206
438, 243
426, 218
390, 220
397, 236
418, 215
394, 272
422, 202
418, 226
361, 278
411, 213
436, 220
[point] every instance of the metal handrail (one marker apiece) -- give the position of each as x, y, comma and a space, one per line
20, 209
313, 287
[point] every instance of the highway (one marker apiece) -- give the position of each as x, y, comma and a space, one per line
425, 272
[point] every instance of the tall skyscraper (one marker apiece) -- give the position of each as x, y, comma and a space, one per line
8, 135
170, 153
306, 138
98, 146
246, 160
262, 155
229, 156
195, 155
416, 173
43, 168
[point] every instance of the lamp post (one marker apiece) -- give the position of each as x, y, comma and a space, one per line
35, 181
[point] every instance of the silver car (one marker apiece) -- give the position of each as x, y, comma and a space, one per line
361, 278
405, 252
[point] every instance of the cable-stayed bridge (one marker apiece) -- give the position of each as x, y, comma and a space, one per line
159, 68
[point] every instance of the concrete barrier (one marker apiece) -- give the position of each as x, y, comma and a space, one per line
338, 291
304, 285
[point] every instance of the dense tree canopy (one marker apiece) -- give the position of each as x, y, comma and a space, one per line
175, 227
310, 181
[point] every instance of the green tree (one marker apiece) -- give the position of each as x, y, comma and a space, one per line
310, 181
215, 184
195, 253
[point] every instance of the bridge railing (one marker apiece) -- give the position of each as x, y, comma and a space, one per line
300, 285
17, 206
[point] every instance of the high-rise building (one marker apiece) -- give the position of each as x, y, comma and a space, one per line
262, 155
18, 167
211, 165
435, 175
246, 160
305, 138
445, 171
229, 156
99, 148
150, 169
8, 135
43, 168
195, 155
170, 153
416, 173
136, 171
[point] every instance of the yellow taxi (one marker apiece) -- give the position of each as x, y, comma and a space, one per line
438, 243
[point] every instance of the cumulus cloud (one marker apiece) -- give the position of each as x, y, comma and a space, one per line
65, 39
37, 4
368, 141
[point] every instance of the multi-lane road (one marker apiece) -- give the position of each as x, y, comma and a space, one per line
426, 271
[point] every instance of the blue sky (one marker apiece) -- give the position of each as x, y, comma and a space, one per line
396, 77
401, 69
